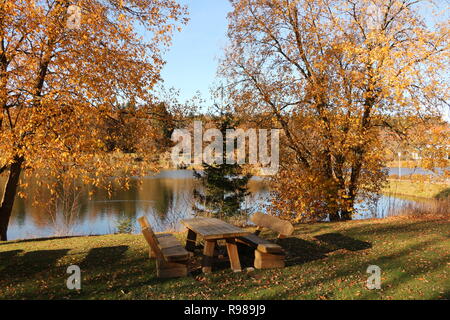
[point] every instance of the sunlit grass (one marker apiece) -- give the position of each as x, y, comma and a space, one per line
421, 189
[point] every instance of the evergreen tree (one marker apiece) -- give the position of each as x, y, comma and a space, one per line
224, 186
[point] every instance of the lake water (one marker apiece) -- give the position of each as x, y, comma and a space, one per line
165, 199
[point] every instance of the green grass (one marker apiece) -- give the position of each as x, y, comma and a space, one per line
325, 261
417, 189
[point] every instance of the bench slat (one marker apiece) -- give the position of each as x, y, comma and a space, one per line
171, 248
261, 244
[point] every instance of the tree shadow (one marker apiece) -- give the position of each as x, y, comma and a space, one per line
300, 251
8, 255
31, 263
7, 258
343, 242
103, 256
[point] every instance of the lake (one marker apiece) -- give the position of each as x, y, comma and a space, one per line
165, 199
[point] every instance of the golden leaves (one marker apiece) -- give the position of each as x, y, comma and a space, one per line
59, 86
335, 78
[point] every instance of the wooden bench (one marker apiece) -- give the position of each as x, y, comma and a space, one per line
171, 258
267, 254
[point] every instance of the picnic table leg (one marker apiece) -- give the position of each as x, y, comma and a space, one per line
208, 255
233, 255
191, 240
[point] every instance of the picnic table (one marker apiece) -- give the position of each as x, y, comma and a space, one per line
211, 230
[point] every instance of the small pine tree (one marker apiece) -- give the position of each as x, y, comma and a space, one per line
224, 185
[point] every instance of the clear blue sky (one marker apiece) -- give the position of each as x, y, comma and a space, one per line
192, 60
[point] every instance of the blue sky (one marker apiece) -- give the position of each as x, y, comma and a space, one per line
193, 58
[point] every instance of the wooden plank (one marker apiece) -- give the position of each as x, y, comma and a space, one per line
170, 265
269, 256
144, 222
283, 227
208, 256
269, 264
153, 243
170, 270
260, 244
253, 240
208, 226
265, 260
172, 273
233, 255
271, 248
171, 248
148, 235
211, 228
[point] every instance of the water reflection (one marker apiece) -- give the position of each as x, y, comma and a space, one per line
165, 199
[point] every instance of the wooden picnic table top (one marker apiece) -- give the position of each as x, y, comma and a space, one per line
212, 228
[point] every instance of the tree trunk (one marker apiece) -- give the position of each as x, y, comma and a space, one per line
346, 215
9, 195
334, 216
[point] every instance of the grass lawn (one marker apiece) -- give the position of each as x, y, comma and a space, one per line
416, 188
325, 261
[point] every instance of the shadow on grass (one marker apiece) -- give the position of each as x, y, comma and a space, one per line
344, 242
22, 267
8, 255
43, 264
103, 256
300, 251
